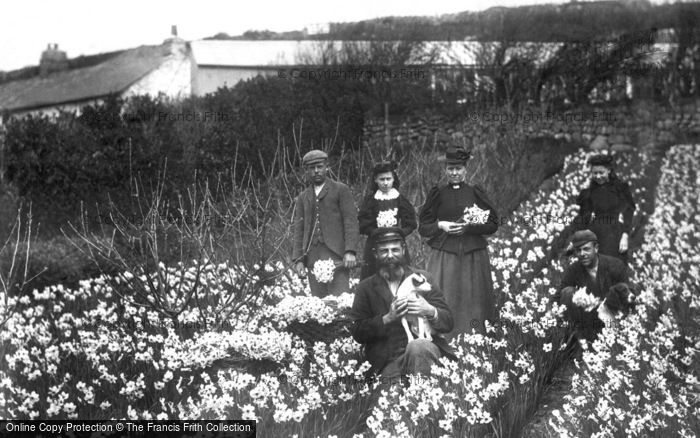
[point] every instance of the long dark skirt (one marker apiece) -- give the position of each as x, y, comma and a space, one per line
609, 235
466, 282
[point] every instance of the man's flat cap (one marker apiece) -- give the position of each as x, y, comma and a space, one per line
313, 156
582, 237
389, 234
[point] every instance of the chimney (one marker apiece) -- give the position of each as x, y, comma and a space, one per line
177, 45
52, 60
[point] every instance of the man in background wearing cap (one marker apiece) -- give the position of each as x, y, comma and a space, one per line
324, 227
377, 313
597, 273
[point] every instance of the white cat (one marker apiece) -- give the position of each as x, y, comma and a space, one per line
411, 287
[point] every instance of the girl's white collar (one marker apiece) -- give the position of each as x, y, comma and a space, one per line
380, 196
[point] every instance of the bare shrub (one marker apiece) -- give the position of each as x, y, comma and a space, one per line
14, 263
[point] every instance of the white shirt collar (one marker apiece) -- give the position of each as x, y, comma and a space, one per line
317, 189
380, 196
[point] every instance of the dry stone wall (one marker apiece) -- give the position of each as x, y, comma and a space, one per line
639, 124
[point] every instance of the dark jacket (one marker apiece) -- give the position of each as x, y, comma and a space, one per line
337, 220
444, 203
604, 203
371, 207
601, 208
386, 342
611, 271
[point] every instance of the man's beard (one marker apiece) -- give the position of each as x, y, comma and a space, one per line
393, 269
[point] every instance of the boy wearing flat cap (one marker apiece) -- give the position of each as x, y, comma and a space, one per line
324, 227
598, 273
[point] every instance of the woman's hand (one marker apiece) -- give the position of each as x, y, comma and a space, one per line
458, 228
453, 228
624, 243
445, 225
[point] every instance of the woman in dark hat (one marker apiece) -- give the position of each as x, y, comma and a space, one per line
606, 208
384, 207
455, 218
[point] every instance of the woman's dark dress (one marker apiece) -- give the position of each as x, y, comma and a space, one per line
367, 216
460, 263
607, 210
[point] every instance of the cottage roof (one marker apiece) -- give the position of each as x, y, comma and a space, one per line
256, 53
285, 53
112, 76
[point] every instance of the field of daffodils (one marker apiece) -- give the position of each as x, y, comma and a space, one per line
90, 352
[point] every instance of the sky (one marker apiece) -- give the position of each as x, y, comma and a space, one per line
82, 27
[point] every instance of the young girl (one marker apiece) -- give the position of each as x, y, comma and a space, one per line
384, 207
607, 208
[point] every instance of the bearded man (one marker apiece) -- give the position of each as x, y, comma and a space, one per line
377, 314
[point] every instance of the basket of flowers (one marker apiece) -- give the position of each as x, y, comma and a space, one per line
326, 324
242, 363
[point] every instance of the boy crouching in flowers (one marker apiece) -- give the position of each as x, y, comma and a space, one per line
588, 282
376, 314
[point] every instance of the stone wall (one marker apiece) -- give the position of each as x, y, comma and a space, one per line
640, 124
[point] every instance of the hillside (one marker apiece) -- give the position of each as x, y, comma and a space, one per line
587, 21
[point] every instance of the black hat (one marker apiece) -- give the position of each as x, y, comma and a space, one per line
388, 234
455, 155
384, 166
582, 237
601, 160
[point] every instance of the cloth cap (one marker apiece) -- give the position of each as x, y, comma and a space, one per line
455, 155
582, 237
313, 156
388, 234
601, 160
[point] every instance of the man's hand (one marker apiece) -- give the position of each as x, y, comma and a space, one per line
300, 269
420, 307
624, 243
398, 308
349, 260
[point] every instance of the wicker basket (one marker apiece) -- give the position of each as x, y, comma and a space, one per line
256, 367
312, 331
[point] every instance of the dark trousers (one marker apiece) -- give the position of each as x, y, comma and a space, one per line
418, 358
